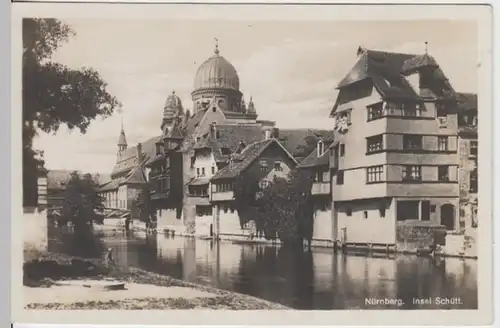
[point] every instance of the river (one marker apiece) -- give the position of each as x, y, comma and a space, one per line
319, 279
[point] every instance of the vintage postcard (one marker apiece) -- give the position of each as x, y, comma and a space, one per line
207, 164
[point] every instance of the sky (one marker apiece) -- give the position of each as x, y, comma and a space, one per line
289, 68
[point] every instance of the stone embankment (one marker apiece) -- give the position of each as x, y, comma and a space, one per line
59, 282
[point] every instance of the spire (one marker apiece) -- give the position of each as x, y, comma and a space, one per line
216, 51
122, 141
426, 45
251, 106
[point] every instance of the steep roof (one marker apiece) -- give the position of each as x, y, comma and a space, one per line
57, 179
229, 137
313, 160
243, 160
387, 69
295, 140
129, 158
467, 101
135, 176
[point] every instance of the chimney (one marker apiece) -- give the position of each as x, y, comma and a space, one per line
139, 152
275, 133
213, 130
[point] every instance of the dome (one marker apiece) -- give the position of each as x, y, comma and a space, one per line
216, 73
173, 106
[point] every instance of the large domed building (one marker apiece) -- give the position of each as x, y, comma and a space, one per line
192, 148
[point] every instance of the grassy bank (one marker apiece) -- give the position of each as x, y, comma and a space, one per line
220, 299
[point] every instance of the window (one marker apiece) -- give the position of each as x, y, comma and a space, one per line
412, 141
318, 177
374, 143
411, 110
443, 174
197, 172
321, 148
412, 173
223, 187
263, 165
473, 148
342, 150
433, 209
340, 177
202, 171
443, 143
214, 109
213, 169
348, 211
374, 173
375, 111
473, 181
225, 209
365, 214
277, 166
441, 110
264, 184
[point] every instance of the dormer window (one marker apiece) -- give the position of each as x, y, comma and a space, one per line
320, 148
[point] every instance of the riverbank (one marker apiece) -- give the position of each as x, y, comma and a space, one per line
143, 290
457, 246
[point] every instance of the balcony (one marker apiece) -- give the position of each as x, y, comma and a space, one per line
320, 188
222, 196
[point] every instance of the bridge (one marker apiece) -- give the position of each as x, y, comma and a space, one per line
107, 212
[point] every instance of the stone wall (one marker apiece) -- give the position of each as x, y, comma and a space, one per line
413, 235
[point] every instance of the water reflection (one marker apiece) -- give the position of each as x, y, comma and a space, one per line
307, 280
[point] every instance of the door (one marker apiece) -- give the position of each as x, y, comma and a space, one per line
426, 210
448, 216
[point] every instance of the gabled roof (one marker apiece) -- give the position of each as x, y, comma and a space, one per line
313, 160
57, 179
243, 160
129, 159
466, 101
387, 72
229, 137
295, 142
135, 176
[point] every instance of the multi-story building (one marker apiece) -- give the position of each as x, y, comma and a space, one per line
468, 152
396, 157
260, 161
195, 146
127, 178
317, 163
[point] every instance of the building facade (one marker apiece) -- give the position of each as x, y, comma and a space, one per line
468, 152
261, 161
317, 163
194, 146
396, 158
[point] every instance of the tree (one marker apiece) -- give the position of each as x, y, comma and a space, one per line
284, 209
143, 202
53, 94
81, 201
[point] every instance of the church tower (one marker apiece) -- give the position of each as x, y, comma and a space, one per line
122, 142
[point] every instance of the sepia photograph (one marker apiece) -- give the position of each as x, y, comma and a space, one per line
253, 163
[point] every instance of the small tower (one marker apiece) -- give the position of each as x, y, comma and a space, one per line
172, 111
122, 141
251, 107
243, 105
